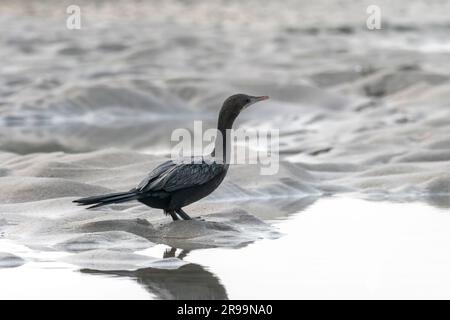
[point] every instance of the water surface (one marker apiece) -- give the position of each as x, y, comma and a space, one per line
337, 247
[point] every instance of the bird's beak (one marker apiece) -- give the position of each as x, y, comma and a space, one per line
256, 99
262, 98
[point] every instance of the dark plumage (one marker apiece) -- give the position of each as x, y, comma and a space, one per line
175, 184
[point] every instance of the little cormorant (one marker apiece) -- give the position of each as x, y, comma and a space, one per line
178, 183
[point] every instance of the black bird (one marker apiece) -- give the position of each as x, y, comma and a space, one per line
175, 184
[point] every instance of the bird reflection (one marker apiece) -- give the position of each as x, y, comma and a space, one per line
171, 253
189, 282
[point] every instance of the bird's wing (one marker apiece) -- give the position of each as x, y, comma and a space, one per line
175, 176
155, 174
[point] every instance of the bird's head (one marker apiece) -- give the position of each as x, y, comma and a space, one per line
233, 105
231, 108
238, 102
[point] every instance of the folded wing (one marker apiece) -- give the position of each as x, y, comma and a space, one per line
171, 176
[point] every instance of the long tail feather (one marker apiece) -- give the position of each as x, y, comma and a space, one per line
98, 201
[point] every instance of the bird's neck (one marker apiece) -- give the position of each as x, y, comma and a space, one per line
222, 147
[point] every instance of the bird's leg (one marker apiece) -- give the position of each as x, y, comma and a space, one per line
182, 214
172, 214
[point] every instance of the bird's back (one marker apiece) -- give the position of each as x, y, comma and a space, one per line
181, 174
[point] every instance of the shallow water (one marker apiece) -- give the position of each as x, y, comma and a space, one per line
338, 247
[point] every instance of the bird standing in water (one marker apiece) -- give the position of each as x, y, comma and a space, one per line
178, 183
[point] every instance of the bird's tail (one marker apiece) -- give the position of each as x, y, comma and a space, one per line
98, 201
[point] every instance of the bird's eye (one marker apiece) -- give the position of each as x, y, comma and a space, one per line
247, 101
